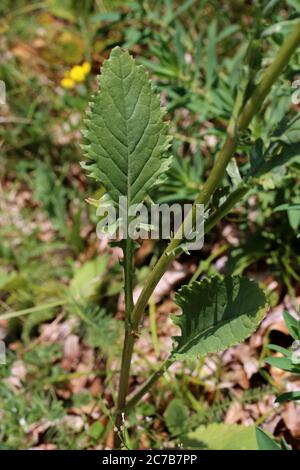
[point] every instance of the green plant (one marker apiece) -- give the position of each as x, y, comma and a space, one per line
126, 143
290, 362
266, 442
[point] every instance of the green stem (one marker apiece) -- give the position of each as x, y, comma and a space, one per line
128, 270
252, 106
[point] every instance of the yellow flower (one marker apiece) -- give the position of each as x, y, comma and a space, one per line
67, 83
86, 67
77, 74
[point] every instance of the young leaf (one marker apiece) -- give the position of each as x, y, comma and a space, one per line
292, 324
217, 313
126, 137
220, 436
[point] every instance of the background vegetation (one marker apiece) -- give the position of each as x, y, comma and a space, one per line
60, 286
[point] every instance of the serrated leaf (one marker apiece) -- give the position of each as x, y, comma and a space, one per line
217, 313
220, 436
126, 138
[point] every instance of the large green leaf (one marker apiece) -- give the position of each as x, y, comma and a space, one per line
265, 441
219, 436
217, 313
126, 138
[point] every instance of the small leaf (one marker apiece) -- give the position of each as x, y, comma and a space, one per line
287, 153
265, 442
284, 444
220, 436
217, 314
96, 430
126, 138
